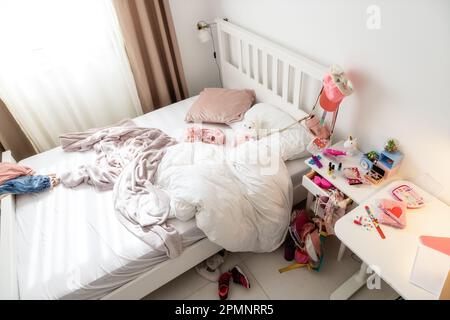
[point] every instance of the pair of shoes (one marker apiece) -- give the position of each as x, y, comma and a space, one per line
224, 281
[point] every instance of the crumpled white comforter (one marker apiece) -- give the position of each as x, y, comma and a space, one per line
240, 202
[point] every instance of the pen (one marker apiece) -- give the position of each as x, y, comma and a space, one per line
375, 222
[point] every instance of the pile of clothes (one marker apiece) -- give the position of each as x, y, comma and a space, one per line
17, 179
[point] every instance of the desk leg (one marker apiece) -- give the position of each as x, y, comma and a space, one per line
341, 252
352, 285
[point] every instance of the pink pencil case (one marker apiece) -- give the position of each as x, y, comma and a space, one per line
393, 213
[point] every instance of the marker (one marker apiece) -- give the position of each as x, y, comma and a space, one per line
375, 222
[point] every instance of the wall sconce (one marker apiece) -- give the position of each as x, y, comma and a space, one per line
205, 34
204, 31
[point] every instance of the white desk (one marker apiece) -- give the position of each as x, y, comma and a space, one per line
358, 193
393, 256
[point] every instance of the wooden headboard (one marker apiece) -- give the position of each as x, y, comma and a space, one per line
278, 75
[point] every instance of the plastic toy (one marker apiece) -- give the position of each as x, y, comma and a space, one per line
351, 145
407, 194
323, 183
315, 160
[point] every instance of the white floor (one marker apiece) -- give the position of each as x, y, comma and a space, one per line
267, 283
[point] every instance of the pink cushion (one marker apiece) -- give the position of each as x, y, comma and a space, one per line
217, 105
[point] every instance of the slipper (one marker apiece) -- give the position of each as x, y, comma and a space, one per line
205, 272
224, 285
239, 277
214, 262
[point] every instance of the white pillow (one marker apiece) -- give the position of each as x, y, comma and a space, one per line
293, 141
268, 116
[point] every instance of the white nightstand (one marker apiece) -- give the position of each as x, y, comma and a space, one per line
357, 193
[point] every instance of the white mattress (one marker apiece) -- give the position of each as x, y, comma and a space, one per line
70, 244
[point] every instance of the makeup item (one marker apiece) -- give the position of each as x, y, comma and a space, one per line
375, 222
352, 175
353, 182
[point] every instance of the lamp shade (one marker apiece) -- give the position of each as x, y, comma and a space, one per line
204, 35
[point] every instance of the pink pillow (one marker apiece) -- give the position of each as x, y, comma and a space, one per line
217, 105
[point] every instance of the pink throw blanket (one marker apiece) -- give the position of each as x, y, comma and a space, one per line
128, 157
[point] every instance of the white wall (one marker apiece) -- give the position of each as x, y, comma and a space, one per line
402, 70
197, 58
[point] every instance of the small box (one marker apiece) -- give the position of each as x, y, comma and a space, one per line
432, 264
390, 160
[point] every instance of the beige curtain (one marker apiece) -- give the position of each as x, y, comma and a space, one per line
12, 137
152, 49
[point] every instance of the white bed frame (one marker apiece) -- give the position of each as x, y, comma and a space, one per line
246, 62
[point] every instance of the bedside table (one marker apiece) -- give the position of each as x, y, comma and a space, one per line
355, 193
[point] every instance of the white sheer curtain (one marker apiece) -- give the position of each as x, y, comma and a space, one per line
63, 67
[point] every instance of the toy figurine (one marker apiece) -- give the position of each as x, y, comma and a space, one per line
351, 145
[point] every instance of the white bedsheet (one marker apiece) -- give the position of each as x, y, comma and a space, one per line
70, 243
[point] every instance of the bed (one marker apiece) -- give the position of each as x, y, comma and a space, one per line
68, 244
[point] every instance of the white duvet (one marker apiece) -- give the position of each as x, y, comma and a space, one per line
241, 197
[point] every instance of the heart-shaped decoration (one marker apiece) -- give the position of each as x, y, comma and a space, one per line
396, 211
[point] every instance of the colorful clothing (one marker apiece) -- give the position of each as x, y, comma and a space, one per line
211, 136
10, 171
26, 184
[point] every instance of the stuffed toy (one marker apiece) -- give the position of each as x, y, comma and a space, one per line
253, 127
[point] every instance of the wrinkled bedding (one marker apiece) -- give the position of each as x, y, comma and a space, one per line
240, 196
239, 203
